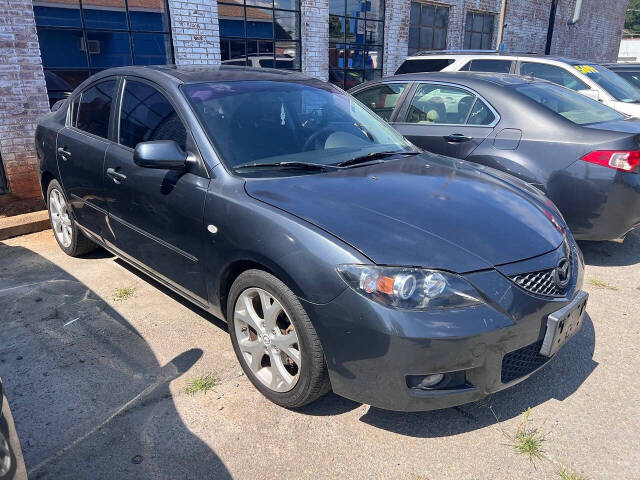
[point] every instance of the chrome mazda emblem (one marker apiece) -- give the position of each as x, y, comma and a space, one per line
562, 273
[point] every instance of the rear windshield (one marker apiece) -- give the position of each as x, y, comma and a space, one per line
571, 105
419, 65
619, 88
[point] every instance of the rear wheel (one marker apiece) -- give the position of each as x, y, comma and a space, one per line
71, 240
274, 340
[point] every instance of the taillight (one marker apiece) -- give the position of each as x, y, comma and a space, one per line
624, 160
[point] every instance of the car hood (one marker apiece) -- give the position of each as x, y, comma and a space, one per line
428, 211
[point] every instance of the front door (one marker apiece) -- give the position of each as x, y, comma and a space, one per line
80, 149
156, 215
445, 119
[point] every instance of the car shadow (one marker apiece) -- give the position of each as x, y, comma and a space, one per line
88, 396
612, 254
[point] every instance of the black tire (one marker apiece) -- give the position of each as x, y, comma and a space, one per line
80, 244
313, 380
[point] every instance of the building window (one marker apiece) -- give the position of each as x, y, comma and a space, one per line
260, 33
478, 31
428, 25
80, 38
356, 39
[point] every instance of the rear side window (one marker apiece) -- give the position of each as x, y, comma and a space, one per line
486, 65
439, 104
147, 115
424, 65
553, 74
382, 99
91, 111
571, 105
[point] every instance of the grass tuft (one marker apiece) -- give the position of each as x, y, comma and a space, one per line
600, 284
122, 294
528, 440
566, 474
202, 383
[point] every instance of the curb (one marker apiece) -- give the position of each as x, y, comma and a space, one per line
23, 224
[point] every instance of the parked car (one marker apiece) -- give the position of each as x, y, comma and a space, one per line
340, 255
583, 155
628, 71
11, 460
588, 78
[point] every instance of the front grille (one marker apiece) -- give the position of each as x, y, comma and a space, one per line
541, 283
521, 362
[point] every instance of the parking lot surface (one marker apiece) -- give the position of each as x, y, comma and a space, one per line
96, 358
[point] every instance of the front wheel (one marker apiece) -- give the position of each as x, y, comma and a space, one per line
71, 240
274, 340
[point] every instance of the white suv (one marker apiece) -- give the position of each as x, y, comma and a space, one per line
588, 78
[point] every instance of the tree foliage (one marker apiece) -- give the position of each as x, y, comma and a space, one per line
632, 21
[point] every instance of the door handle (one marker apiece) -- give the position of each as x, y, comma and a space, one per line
457, 138
117, 177
64, 154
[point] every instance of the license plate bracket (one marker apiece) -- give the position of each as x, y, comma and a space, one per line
564, 324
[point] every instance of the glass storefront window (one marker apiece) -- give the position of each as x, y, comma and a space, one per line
356, 38
260, 33
78, 39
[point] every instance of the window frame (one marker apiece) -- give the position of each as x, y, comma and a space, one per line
433, 27
401, 99
71, 116
246, 39
411, 92
482, 33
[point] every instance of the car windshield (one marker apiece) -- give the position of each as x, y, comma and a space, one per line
571, 105
619, 88
258, 122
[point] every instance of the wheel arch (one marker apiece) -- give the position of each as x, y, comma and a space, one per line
45, 179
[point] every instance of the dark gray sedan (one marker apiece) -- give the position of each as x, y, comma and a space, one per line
340, 256
583, 155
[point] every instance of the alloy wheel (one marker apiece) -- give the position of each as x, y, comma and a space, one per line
267, 339
60, 218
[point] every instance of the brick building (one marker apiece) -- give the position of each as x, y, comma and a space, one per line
47, 47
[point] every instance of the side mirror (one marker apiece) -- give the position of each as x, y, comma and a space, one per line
164, 154
592, 94
56, 106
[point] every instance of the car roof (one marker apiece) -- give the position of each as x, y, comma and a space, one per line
207, 73
467, 78
472, 53
622, 66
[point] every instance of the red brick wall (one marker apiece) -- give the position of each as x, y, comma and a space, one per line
23, 95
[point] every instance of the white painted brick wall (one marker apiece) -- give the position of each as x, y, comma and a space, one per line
314, 20
194, 25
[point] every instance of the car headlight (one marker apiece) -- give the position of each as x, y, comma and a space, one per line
410, 288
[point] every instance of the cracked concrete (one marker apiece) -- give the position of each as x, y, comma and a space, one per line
97, 389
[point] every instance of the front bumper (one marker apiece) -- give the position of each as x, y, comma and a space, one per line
370, 349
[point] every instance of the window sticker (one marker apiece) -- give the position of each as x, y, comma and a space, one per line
585, 69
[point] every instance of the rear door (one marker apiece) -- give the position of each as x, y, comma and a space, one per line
156, 215
447, 119
81, 148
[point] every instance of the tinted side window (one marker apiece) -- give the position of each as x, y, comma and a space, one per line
438, 104
94, 107
632, 77
498, 66
480, 114
382, 99
147, 115
424, 65
553, 74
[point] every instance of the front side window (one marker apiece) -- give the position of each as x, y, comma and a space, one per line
382, 99
478, 31
260, 33
632, 77
616, 86
445, 105
428, 25
356, 31
147, 115
488, 65
571, 105
80, 38
93, 108
256, 122
553, 74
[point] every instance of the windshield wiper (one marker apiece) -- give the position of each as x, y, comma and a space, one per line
303, 165
373, 156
